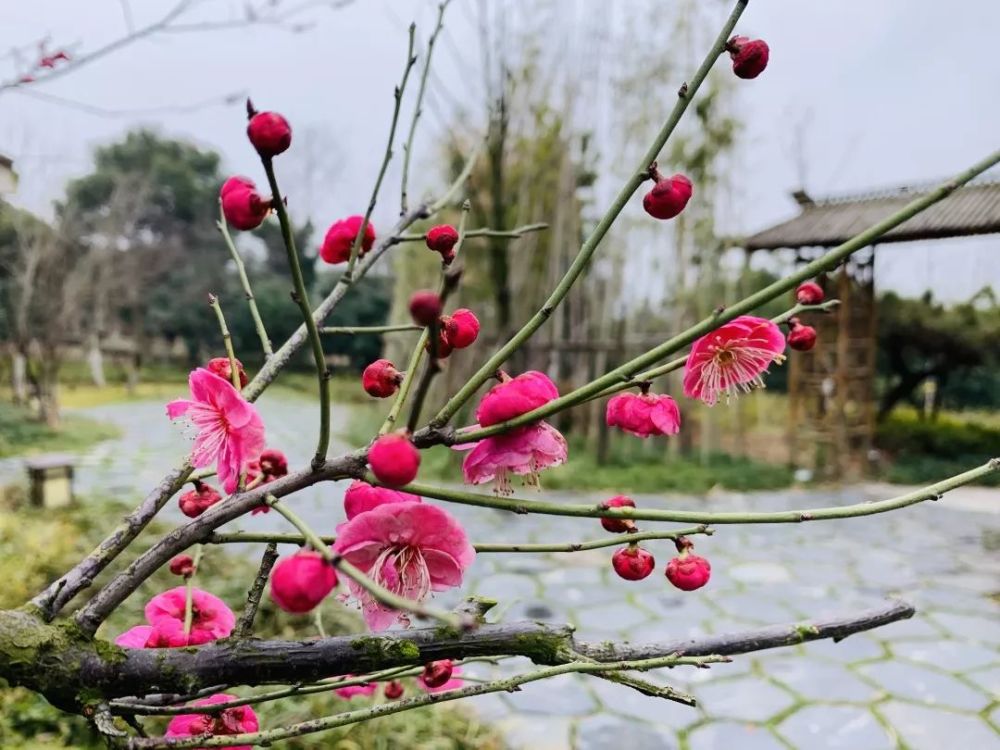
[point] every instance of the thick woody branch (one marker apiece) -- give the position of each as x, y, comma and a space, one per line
253, 662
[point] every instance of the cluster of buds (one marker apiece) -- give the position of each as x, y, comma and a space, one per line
455, 331
687, 571
46, 61
801, 337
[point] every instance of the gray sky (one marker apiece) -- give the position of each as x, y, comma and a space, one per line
863, 93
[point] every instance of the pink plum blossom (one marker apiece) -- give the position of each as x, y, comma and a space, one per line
644, 414
229, 722
230, 431
731, 358
212, 618
135, 637
361, 496
523, 451
515, 396
411, 549
350, 691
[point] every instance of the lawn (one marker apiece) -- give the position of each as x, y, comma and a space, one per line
21, 433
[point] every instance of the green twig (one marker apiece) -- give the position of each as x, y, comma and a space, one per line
523, 505
302, 300
503, 234
509, 684
398, 94
404, 387
417, 110
227, 340
189, 592
582, 260
258, 322
360, 330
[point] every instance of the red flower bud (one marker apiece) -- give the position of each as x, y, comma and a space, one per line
688, 571
242, 205
461, 328
339, 239
425, 307
633, 563
441, 239
269, 133
809, 293
273, 464
195, 502
444, 347
393, 690
618, 525
437, 673
182, 565
381, 379
802, 338
221, 367
668, 197
300, 582
749, 56
394, 460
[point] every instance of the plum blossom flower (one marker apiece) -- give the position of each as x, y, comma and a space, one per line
644, 414
524, 451
409, 548
513, 397
350, 691
301, 581
212, 620
230, 721
731, 358
230, 431
453, 683
361, 496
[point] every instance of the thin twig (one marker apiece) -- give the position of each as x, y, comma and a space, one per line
265, 342
302, 300
504, 234
409, 377
367, 330
408, 146
189, 590
398, 94
227, 340
244, 628
582, 260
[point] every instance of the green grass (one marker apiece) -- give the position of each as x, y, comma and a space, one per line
21, 433
37, 545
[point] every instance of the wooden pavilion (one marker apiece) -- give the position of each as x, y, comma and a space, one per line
832, 389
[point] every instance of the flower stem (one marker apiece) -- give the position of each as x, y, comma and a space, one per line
258, 322
398, 94
379, 593
227, 340
359, 330
189, 591
504, 234
582, 260
523, 505
302, 300
417, 110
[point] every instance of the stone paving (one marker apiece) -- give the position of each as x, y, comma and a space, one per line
924, 684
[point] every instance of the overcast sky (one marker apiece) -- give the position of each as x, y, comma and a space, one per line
881, 92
